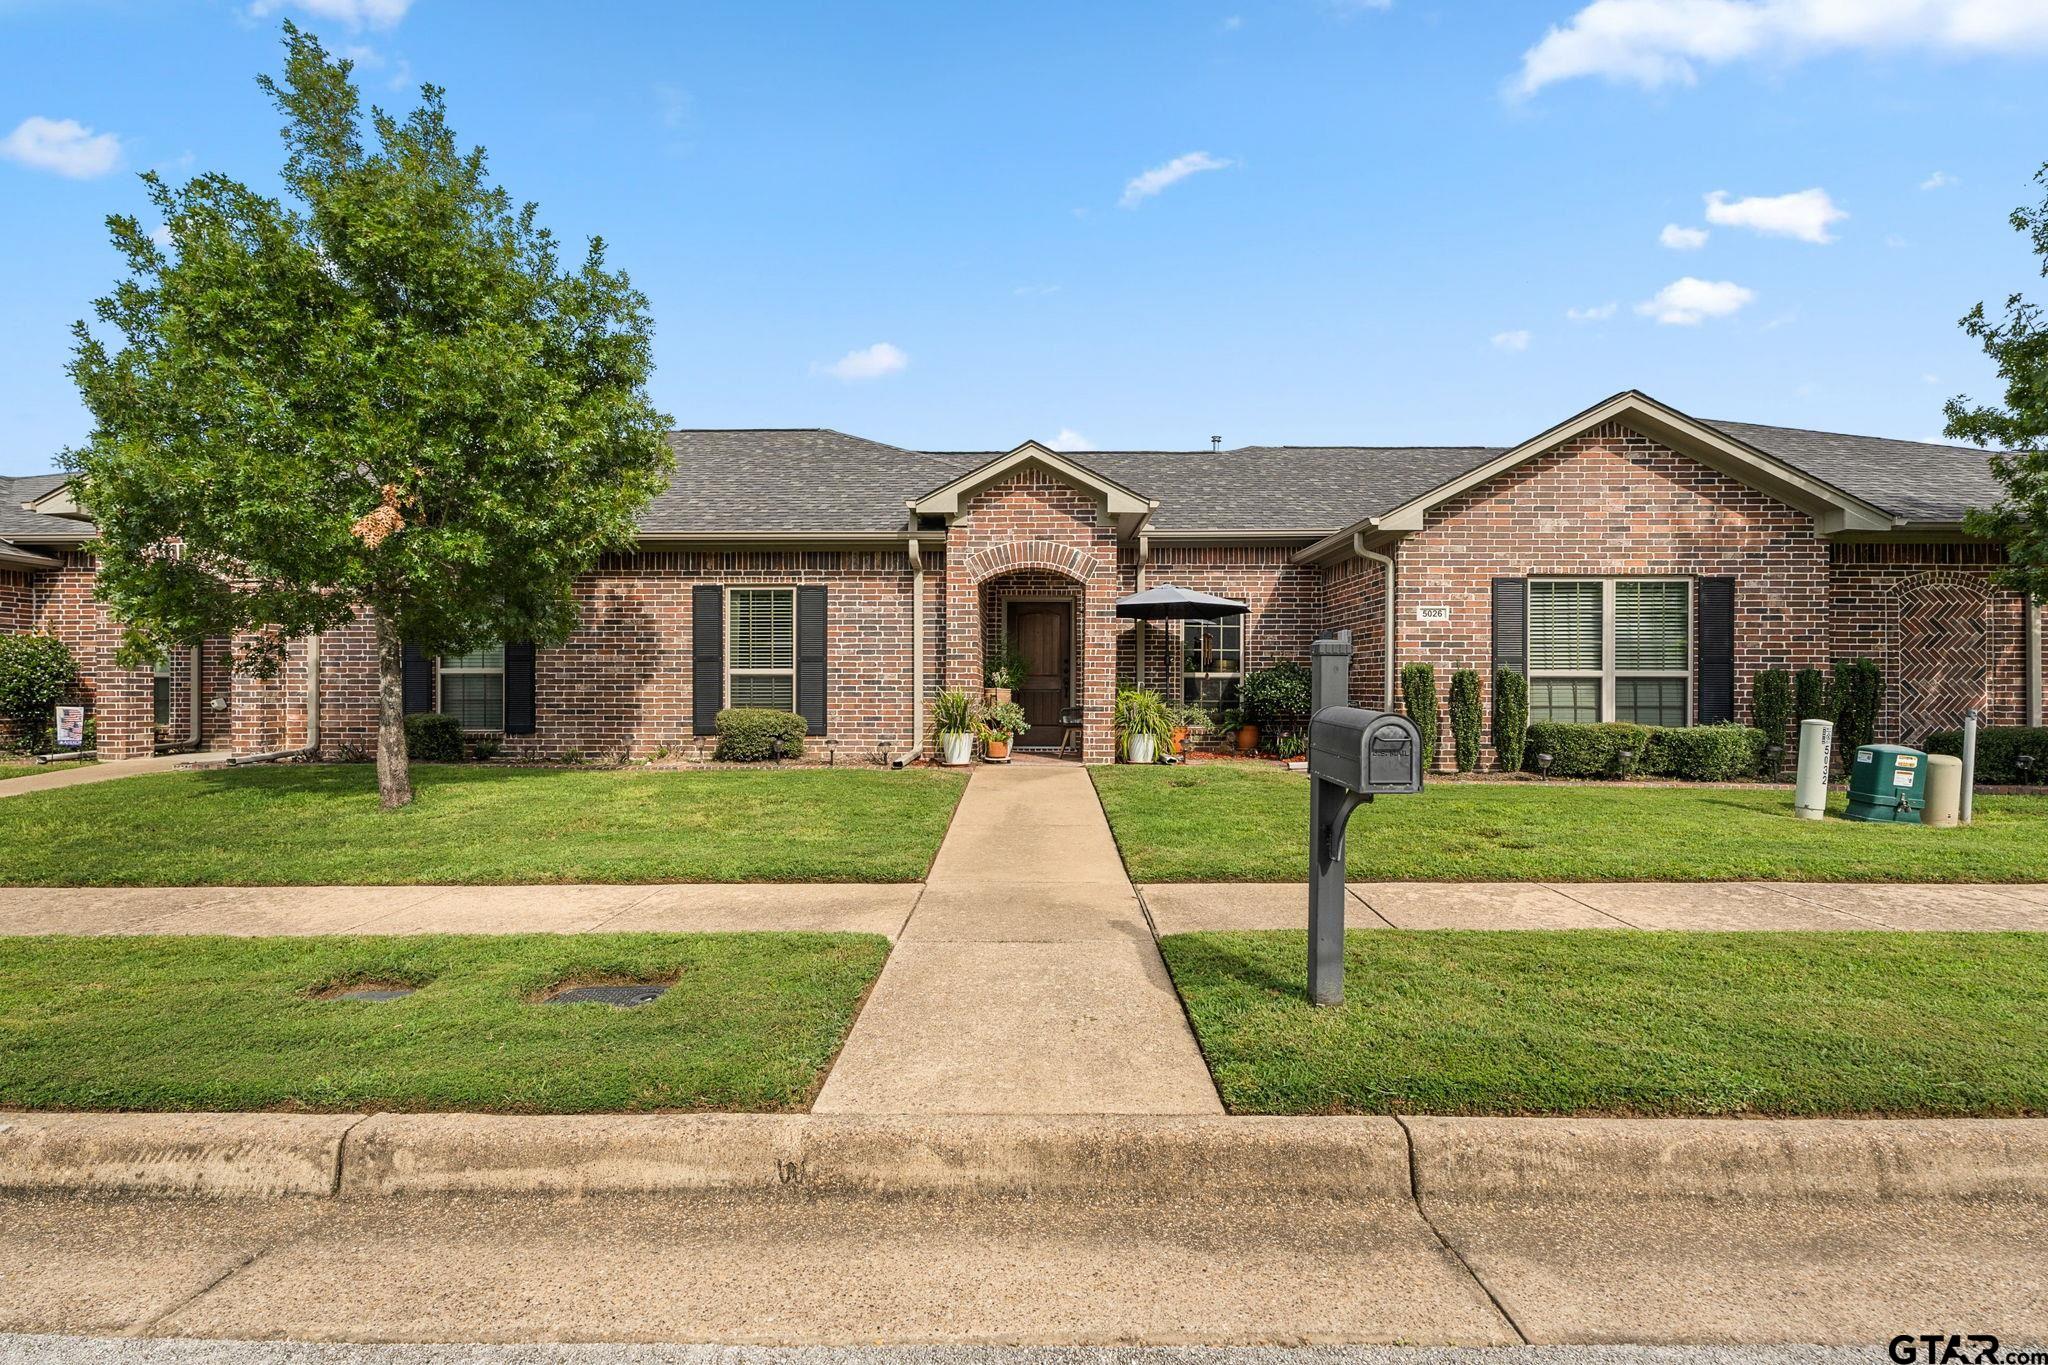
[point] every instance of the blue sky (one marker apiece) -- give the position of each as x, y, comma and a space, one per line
1141, 224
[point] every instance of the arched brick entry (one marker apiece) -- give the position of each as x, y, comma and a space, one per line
992, 575
1941, 659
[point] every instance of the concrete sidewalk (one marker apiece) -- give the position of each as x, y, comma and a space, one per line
1189, 907
73, 774
854, 908
1026, 980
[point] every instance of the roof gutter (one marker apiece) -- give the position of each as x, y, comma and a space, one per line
1386, 562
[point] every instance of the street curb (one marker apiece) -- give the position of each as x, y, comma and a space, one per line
211, 1154
1821, 1159
1080, 1159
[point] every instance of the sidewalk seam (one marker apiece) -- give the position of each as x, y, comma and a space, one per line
341, 1154
1556, 890
243, 1262
1422, 1212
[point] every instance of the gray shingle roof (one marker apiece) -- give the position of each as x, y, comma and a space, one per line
1917, 480
15, 523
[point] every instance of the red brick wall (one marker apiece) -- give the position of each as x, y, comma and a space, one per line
1355, 599
1613, 502
1873, 585
1032, 520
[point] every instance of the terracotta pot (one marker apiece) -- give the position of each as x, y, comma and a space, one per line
998, 696
1179, 742
1247, 738
998, 748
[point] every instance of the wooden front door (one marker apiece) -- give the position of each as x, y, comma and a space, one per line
1043, 632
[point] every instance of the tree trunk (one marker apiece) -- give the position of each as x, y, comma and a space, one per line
394, 778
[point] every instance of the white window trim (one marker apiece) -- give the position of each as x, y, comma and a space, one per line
442, 670
1607, 675
1187, 673
726, 614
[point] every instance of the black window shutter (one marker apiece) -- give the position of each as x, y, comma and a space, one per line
519, 689
707, 676
1510, 625
419, 681
810, 658
1716, 660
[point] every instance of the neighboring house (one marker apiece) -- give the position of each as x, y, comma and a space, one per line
1635, 563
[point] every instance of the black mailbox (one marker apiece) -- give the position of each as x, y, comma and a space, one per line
1373, 753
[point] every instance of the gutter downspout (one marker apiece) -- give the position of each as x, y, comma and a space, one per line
916, 655
311, 748
1386, 562
1144, 627
2033, 633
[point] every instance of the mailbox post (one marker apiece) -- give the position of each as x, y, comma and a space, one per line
1353, 755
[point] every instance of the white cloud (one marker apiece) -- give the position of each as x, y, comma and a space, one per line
1682, 238
1805, 214
1511, 341
1144, 186
1940, 180
64, 145
1684, 302
1070, 440
354, 13
1599, 312
1656, 43
871, 362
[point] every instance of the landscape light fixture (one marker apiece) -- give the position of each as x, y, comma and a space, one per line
1543, 764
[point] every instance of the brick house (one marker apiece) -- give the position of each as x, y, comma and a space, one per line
1633, 562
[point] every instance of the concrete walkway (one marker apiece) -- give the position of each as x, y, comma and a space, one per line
1181, 908
71, 774
301, 910
1026, 980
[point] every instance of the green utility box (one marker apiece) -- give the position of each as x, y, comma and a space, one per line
1888, 782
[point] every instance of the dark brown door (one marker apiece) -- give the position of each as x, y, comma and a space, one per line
1043, 633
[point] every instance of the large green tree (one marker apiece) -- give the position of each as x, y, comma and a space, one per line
382, 392
2017, 430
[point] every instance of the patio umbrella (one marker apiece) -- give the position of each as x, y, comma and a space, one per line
1168, 603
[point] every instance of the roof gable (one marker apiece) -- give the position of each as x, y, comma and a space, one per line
1118, 500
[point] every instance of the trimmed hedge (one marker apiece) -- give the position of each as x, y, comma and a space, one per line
1810, 696
1858, 693
1465, 718
37, 674
1418, 699
1998, 752
431, 737
1770, 703
1510, 718
750, 734
1697, 753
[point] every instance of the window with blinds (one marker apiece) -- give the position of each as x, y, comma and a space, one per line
760, 648
1610, 649
473, 688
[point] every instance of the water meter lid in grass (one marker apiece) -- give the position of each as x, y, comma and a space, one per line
624, 997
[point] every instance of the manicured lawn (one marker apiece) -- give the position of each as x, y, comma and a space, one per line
321, 825
751, 1023
1592, 1022
1235, 823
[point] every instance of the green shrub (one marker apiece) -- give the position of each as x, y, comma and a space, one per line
431, 737
756, 734
1510, 718
1858, 691
1770, 703
1279, 693
1418, 699
1705, 753
1005, 670
37, 674
1004, 721
1588, 750
1999, 749
1811, 699
1465, 718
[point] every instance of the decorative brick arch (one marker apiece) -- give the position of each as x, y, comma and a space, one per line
1940, 656
1069, 561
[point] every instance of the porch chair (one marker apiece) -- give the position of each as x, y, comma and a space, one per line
1070, 730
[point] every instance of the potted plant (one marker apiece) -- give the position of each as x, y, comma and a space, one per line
955, 719
1187, 720
1143, 723
1004, 675
1000, 726
1270, 697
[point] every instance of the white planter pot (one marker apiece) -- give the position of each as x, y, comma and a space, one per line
956, 749
1143, 749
